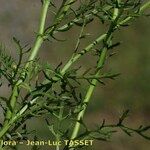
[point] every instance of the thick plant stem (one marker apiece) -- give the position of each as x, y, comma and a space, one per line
94, 81
145, 6
85, 50
63, 9
74, 58
34, 51
100, 64
89, 94
15, 92
39, 39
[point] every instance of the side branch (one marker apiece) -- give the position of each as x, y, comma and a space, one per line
34, 51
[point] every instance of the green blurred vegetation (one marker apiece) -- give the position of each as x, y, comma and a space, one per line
131, 89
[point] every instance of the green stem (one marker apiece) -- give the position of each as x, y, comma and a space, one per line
66, 4
74, 58
141, 10
94, 81
63, 9
34, 51
8, 125
89, 94
145, 6
39, 38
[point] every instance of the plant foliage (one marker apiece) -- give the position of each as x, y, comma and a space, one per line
57, 95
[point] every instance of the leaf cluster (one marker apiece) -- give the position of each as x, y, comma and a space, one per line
54, 93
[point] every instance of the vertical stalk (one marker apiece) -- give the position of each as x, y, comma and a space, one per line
39, 38
34, 52
89, 94
37, 44
94, 81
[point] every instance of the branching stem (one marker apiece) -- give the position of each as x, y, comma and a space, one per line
34, 51
94, 81
11, 115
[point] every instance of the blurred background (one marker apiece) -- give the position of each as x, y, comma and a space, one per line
131, 90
